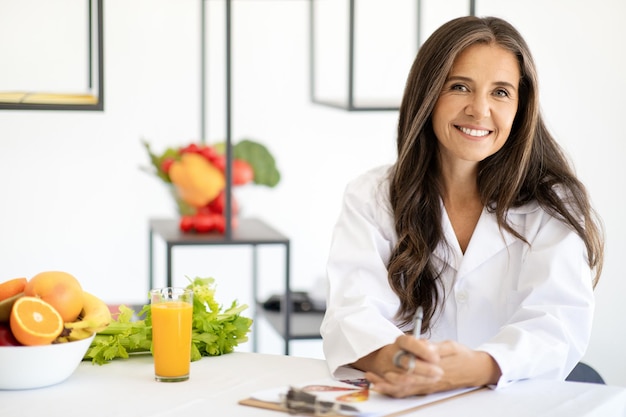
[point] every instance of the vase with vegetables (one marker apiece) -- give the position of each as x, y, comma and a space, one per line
195, 174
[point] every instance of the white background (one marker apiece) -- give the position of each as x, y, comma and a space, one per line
74, 197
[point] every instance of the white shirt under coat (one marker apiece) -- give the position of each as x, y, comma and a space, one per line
529, 307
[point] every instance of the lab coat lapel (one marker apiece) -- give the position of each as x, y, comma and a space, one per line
448, 251
487, 240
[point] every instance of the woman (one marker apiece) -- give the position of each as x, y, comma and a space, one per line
480, 222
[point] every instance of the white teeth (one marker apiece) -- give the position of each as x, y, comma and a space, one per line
474, 132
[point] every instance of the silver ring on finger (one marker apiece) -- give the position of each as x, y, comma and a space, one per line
397, 358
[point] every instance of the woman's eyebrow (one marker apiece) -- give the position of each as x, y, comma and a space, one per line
469, 80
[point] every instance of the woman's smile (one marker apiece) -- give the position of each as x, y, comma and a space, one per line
474, 132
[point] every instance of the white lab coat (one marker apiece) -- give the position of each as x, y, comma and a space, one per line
529, 307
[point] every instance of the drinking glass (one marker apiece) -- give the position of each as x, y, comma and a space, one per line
171, 309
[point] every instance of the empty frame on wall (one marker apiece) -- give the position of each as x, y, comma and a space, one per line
52, 53
361, 50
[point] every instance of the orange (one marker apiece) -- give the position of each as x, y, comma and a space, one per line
59, 289
35, 322
12, 287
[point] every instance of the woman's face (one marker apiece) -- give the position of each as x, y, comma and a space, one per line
475, 110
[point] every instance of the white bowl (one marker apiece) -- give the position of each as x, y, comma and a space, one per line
26, 367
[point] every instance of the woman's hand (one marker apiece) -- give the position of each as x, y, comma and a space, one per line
464, 367
438, 367
397, 381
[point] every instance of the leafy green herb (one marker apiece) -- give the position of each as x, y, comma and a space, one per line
214, 332
158, 160
260, 159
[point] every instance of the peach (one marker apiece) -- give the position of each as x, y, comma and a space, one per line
59, 289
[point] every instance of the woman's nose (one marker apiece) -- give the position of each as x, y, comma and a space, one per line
478, 107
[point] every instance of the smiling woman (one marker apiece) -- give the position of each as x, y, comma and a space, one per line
481, 222
55, 58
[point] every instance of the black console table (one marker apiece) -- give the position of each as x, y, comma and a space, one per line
251, 232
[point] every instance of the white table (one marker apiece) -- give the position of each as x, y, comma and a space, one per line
127, 388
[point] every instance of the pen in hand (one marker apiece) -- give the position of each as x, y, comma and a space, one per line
417, 331
417, 322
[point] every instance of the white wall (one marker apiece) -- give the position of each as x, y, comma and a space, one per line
74, 198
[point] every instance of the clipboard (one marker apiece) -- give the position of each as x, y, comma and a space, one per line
385, 406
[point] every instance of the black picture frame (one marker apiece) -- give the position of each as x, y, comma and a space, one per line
348, 101
93, 98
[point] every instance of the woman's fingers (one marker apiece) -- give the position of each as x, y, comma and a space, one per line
402, 384
420, 348
414, 369
409, 363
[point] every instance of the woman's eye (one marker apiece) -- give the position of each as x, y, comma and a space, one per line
501, 92
458, 87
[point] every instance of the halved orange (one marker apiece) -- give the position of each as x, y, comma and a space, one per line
12, 287
35, 322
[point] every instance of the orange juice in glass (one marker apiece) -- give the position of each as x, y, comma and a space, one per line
171, 310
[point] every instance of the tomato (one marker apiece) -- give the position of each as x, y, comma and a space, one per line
219, 162
218, 205
186, 223
203, 223
242, 172
209, 153
6, 336
219, 222
191, 148
205, 209
167, 164
209, 222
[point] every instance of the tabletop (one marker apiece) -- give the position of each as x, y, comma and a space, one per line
126, 387
248, 231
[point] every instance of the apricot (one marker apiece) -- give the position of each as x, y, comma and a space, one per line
59, 289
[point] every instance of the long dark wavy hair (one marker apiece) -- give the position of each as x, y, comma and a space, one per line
530, 166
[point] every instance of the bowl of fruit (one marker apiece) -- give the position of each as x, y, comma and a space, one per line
47, 324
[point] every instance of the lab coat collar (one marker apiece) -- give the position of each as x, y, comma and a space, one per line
487, 240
